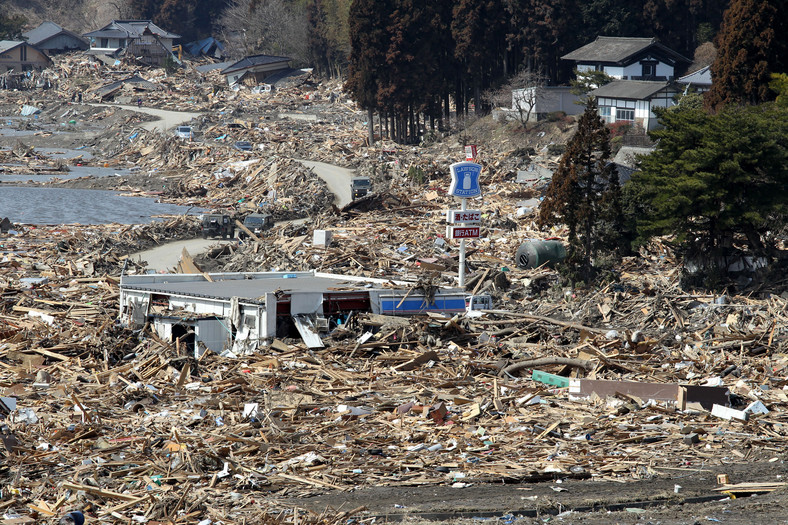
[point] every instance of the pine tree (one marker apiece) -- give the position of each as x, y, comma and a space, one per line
752, 45
716, 180
586, 197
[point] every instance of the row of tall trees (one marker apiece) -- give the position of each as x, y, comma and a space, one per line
409, 59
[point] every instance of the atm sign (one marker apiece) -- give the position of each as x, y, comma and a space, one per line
462, 232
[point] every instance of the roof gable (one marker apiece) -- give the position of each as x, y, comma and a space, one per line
8, 45
621, 50
701, 77
46, 31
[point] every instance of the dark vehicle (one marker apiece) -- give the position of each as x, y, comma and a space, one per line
243, 145
217, 225
256, 223
359, 186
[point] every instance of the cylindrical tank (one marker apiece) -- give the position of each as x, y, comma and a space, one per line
532, 254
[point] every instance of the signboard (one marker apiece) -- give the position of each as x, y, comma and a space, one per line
465, 180
470, 152
462, 232
467, 216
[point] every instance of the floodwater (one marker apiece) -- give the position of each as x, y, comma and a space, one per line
44, 205
74, 173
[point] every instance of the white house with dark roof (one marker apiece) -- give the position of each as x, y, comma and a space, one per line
255, 69
628, 58
138, 38
51, 38
633, 101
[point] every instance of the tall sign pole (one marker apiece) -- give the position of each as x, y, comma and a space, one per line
464, 185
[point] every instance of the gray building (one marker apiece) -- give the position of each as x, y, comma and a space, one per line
51, 38
253, 70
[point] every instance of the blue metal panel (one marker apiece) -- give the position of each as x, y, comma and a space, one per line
418, 305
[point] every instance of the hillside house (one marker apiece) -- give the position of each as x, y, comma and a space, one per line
20, 56
633, 101
627, 58
141, 39
52, 39
253, 70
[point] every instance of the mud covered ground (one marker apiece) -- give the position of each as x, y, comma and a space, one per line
685, 495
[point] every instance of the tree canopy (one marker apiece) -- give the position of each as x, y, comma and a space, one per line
752, 45
716, 179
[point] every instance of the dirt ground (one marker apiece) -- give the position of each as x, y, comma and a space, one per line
685, 495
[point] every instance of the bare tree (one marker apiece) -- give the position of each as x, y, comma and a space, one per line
274, 27
523, 91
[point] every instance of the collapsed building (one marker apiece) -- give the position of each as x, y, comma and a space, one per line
236, 312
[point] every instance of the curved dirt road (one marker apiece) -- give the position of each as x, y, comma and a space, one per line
337, 179
167, 119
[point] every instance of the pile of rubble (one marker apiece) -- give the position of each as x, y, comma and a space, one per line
553, 383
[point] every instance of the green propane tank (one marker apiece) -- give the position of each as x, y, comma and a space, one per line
533, 254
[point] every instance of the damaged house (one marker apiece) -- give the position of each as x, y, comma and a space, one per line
139, 39
233, 313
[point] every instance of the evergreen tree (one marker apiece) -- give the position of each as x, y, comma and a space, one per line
585, 196
751, 46
318, 37
11, 27
544, 30
479, 29
715, 180
368, 41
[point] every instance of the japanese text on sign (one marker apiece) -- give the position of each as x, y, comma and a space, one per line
468, 216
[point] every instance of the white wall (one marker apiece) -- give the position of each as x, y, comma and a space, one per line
615, 71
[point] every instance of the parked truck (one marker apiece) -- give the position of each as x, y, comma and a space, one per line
256, 223
359, 186
217, 225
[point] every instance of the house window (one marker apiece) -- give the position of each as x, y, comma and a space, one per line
625, 114
649, 69
104, 43
23, 53
605, 113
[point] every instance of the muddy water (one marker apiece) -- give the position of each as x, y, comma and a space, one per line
38, 205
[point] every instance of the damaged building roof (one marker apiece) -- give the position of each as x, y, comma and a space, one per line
247, 286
